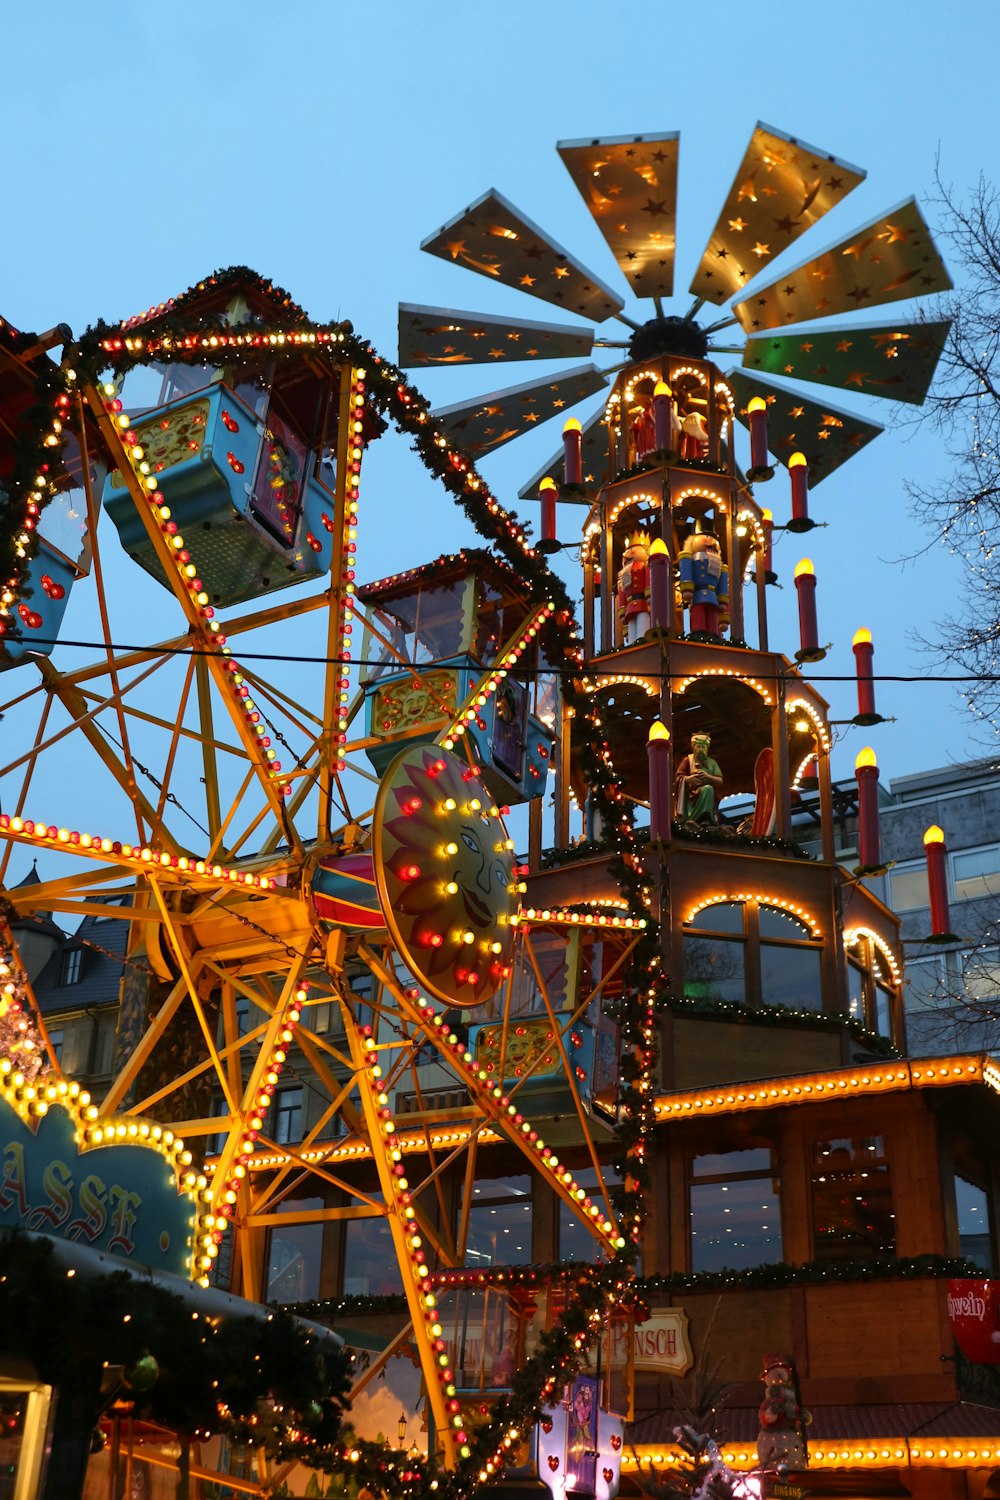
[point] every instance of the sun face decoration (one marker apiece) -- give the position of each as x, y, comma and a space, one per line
446, 875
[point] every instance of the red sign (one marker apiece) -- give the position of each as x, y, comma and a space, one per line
974, 1310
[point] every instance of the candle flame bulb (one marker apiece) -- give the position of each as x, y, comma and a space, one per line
662, 389
862, 637
934, 835
804, 568
660, 800
572, 452
797, 460
548, 492
869, 839
759, 469
660, 587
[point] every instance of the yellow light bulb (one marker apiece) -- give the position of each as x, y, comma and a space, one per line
572, 425
804, 569
658, 731
865, 757
862, 637
756, 403
934, 835
797, 460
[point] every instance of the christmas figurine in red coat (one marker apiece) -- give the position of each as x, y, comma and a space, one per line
703, 581
643, 430
632, 597
694, 436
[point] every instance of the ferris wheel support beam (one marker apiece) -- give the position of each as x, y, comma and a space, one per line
217, 664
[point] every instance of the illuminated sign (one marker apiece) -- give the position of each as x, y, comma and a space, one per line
661, 1343
115, 1185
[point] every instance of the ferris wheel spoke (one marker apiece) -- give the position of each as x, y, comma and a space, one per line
204, 627
144, 1048
84, 715
582, 1116
93, 512
22, 795
500, 1112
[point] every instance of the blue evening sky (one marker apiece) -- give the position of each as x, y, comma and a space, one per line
147, 144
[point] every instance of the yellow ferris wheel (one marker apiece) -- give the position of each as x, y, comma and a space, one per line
296, 794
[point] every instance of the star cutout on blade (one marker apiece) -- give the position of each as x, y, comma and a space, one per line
656, 208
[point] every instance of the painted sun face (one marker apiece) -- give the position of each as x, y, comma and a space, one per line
446, 875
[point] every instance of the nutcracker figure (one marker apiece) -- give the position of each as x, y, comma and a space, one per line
703, 581
633, 589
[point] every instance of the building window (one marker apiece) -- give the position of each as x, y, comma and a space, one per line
214, 1144
871, 985
288, 1105
104, 1043
972, 1203
908, 888
241, 1007
976, 873
576, 1241
499, 1231
72, 963
953, 1003
56, 1037
735, 1210
370, 1265
752, 951
852, 1210
294, 1255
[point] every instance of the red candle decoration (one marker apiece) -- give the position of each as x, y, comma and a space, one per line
660, 807
805, 587
662, 411
573, 452
548, 492
936, 854
869, 841
659, 586
798, 473
767, 527
864, 651
759, 468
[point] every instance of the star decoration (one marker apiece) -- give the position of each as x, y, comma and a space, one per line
738, 225
655, 207
761, 250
